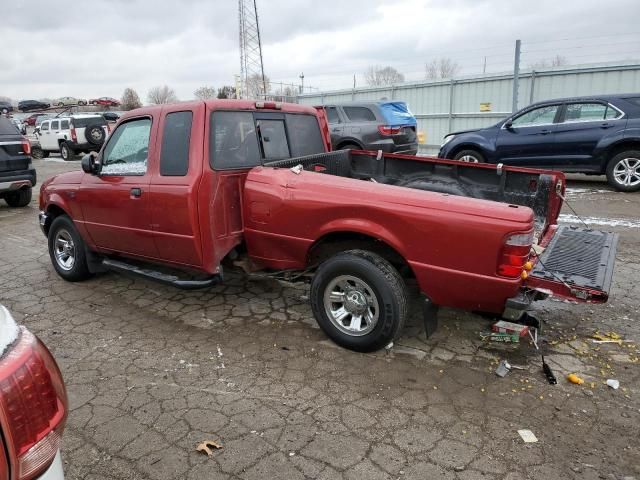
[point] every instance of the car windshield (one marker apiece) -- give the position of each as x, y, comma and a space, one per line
81, 122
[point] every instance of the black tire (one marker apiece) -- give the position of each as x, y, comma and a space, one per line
383, 287
350, 146
622, 168
66, 152
37, 153
61, 230
19, 198
5, 110
45, 154
470, 156
95, 134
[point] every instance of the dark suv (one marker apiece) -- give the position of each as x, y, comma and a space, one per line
593, 135
17, 174
387, 126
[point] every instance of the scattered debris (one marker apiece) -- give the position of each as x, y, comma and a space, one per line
573, 378
208, 446
500, 337
510, 328
546, 369
503, 368
527, 436
613, 383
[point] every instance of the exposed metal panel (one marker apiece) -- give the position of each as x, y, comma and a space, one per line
430, 101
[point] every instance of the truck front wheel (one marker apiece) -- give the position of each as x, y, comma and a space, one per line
359, 300
67, 250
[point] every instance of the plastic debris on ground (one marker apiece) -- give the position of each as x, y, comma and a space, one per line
613, 383
500, 337
527, 436
573, 378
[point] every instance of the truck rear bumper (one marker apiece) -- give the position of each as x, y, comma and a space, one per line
16, 180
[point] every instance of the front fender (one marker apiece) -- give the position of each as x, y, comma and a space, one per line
485, 143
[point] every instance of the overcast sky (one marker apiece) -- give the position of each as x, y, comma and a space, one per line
89, 49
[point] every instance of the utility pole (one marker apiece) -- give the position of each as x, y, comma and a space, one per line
516, 77
484, 66
354, 81
302, 82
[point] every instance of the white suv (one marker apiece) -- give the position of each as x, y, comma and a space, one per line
73, 134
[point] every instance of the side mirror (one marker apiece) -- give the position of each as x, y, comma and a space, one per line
90, 163
508, 124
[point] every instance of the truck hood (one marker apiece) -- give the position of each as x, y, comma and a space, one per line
67, 178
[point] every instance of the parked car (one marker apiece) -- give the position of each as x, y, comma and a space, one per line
17, 175
110, 116
207, 185
21, 127
64, 101
105, 101
35, 119
593, 135
387, 126
29, 105
33, 405
6, 107
73, 134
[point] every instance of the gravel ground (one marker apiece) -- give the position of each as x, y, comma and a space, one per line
151, 371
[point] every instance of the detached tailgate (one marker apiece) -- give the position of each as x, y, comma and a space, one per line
577, 264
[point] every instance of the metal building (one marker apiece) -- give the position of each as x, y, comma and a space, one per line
445, 106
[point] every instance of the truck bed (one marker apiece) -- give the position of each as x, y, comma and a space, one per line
535, 189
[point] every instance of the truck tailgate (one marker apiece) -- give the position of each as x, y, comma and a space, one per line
577, 264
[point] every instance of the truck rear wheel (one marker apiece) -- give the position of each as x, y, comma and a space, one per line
359, 300
67, 250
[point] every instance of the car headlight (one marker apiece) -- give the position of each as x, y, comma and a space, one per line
446, 140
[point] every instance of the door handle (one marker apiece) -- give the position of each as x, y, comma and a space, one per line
136, 192
335, 130
545, 132
606, 125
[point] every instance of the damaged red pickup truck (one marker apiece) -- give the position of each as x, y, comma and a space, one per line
180, 191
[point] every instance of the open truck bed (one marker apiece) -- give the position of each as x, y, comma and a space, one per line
574, 264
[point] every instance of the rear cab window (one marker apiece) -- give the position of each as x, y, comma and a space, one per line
247, 139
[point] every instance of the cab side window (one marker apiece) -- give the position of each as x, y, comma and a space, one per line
127, 151
585, 112
174, 156
44, 126
332, 114
64, 124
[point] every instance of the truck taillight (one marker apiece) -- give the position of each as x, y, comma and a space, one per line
74, 137
33, 405
515, 254
26, 146
386, 130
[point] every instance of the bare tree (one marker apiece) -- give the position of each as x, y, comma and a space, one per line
441, 68
557, 61
227, 91
130, 99
162, 94
204, 93
377, 76
256, 87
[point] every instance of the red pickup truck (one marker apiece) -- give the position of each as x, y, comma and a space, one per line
180, 191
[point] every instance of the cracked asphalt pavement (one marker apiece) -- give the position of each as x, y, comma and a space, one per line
151, 371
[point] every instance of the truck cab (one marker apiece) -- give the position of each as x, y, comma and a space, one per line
180, 192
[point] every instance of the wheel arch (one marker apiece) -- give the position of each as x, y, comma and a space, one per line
349, 141
341, 240
619, 147
467, 146
53, 211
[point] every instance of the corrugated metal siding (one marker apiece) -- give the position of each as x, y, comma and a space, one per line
431, 101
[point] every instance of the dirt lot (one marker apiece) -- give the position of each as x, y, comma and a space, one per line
151, 371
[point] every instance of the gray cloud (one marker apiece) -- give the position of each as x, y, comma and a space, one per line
99, 48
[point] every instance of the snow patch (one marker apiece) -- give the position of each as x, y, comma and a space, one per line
9, 329
609, 222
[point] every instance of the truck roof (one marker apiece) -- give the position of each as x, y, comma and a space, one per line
228, 104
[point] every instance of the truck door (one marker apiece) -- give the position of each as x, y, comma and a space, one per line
174, 185
529, 139
116, 203
45, 136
